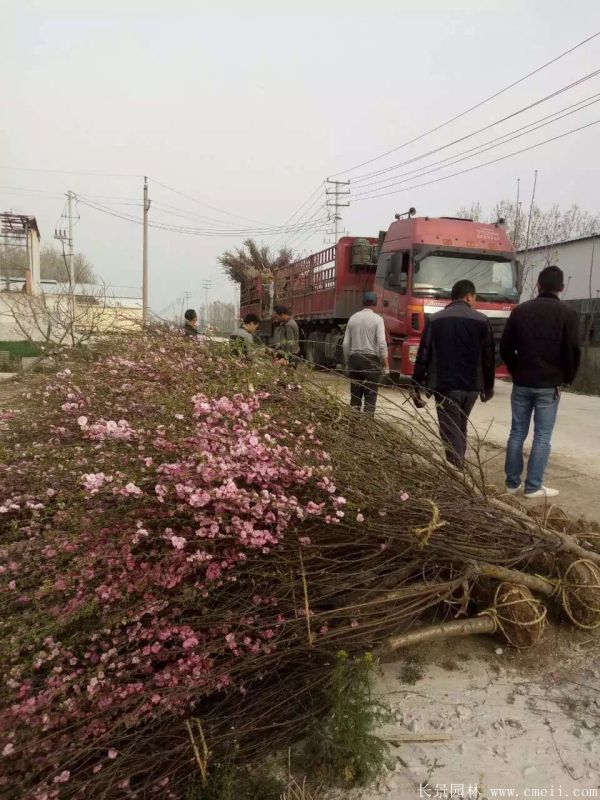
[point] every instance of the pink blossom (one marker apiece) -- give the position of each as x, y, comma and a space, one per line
404, 496
63, 777
82, 421
360, 517
93, 481
132, 490
8, 749
213, 572
112, 753
178, 542
190, 642
354, 623
304, 540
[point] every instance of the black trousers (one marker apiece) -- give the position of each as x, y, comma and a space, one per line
453, 409
364, 372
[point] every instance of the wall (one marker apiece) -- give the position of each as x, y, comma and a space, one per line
35, 320
588, 378
574, 258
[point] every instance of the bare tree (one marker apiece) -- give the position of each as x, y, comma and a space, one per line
14, 264
537, 228
546, 227
69, 318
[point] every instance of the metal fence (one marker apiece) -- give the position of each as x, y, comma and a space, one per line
589, 319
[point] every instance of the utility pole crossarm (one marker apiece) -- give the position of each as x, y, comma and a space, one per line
335, 204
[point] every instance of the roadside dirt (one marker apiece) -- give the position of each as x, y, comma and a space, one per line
474, 718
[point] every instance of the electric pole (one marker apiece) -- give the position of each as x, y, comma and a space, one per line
66, 237
145, 255
206, 286
335, 204
184, 303
71, 247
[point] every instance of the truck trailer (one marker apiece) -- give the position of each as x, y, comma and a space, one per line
411, 267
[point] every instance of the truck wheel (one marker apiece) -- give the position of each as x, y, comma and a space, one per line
315, 349
333, 348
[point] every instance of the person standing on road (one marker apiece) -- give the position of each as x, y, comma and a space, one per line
456, 363
540, 347
286, 336
365, 354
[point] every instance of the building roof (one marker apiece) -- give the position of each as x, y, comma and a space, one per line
561, 243
14, 227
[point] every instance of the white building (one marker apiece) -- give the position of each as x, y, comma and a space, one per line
579, 259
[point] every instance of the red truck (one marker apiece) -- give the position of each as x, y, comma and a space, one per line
412, 268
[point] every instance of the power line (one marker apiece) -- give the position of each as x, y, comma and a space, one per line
522, 110
479, 166
319, 188
186, 214
188, 230
319, 203
436, 166
206, 205
290, 242
472, 108
72, 172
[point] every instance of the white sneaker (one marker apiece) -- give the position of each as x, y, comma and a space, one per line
543, 492
510, 490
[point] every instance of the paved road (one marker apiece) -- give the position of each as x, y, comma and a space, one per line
575, 461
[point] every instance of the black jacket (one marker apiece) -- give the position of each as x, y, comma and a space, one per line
457, 351
540, 343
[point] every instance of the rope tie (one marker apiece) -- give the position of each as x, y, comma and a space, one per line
504, 623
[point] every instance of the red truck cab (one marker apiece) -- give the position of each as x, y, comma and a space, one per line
421, 259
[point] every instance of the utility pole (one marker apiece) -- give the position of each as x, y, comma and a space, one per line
66, 237
70, 197
206, 284
184, 303
145, 255
335, 204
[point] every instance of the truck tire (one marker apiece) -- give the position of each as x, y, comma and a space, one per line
333, 348
314, 348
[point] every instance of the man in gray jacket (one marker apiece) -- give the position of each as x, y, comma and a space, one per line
244, 338
365, 354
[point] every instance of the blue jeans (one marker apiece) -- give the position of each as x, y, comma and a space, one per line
543, 404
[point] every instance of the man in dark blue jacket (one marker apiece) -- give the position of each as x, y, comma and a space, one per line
456, 363
540, 347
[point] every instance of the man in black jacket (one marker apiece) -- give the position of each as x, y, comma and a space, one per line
456, 362
540, 347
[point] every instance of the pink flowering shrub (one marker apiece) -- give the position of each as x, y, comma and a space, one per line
147, 533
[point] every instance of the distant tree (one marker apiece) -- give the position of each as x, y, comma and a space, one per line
53, 265
530, 228
252, 259
545, 226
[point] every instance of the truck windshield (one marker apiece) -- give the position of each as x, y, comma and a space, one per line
494, 279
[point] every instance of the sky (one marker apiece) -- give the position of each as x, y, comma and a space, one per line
245, 108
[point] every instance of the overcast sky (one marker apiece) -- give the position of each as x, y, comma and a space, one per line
248, 106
